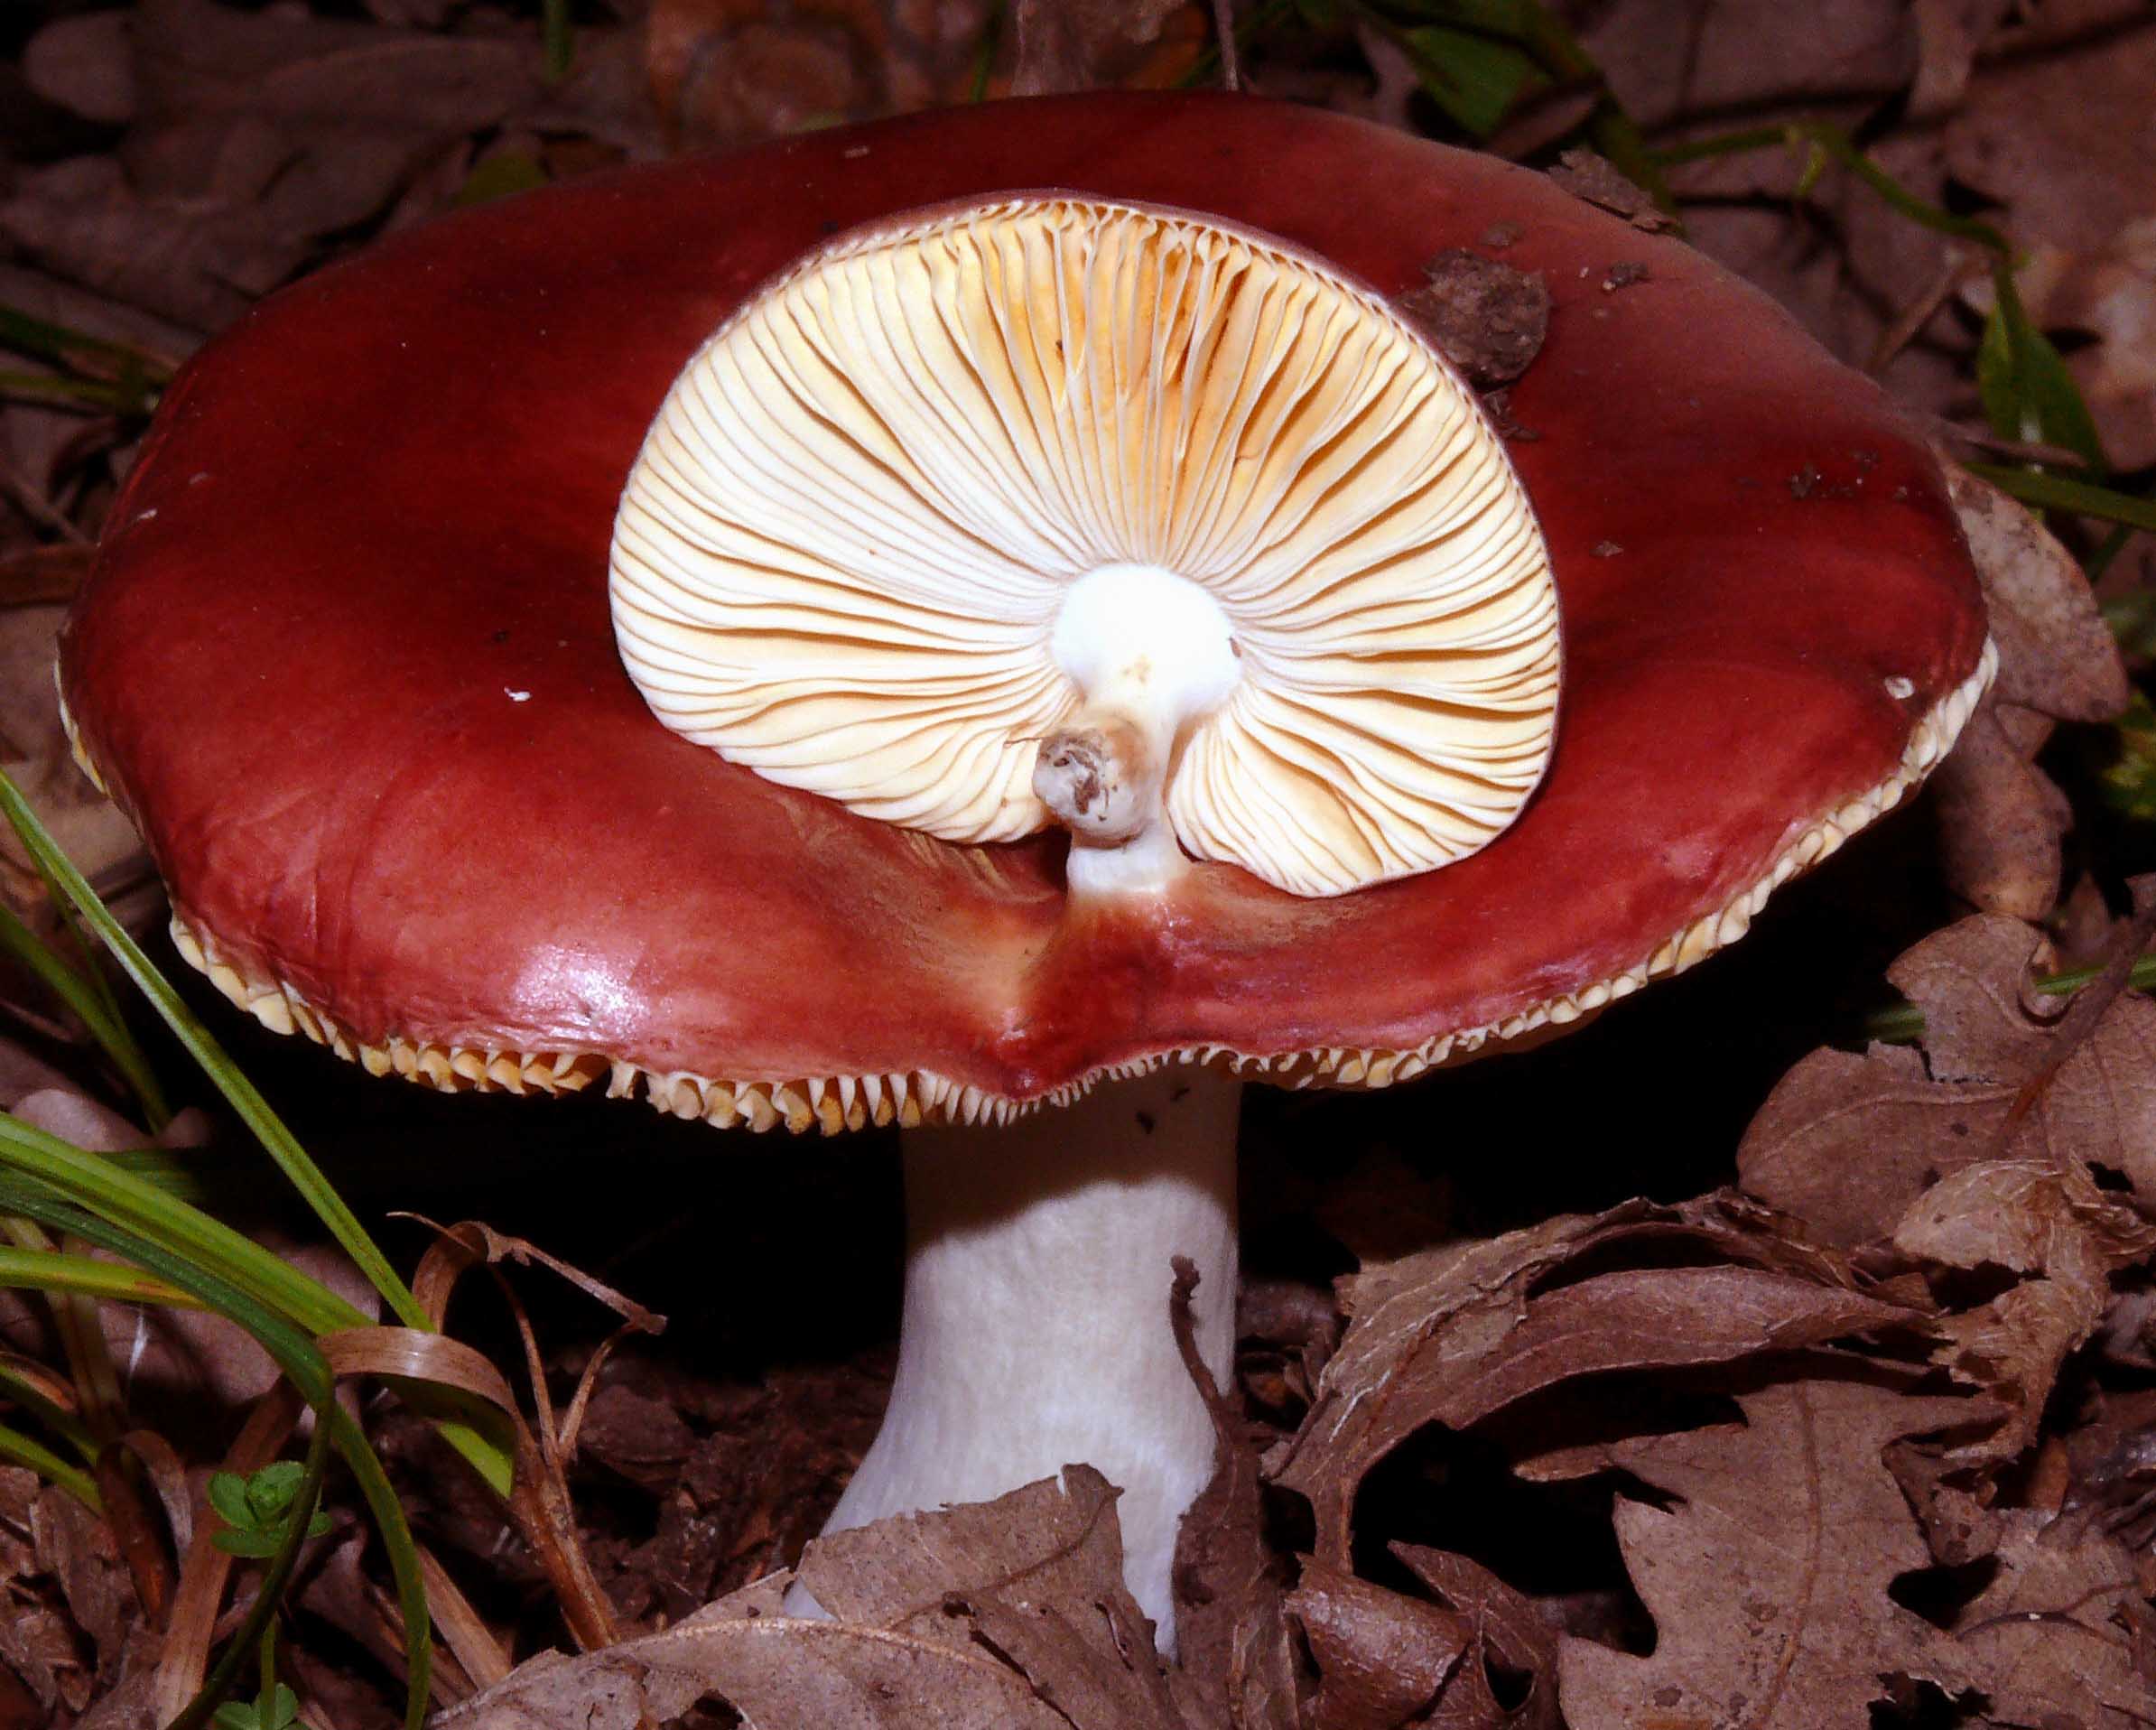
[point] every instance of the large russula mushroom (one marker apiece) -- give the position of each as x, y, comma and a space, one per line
973, 520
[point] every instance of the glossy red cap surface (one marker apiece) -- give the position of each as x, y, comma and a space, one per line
347, 657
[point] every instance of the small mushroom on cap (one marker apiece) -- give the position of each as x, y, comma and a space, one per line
1098, 651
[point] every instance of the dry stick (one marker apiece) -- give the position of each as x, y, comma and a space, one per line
1223, 32
2088, 1007
539, 1500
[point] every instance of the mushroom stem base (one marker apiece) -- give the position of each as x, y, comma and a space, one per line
1037, 1332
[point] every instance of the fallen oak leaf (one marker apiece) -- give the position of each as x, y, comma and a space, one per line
2051, 1636
2000, 816
1237, 1663
2056, 654
1847, 1142
1768, 1577
1451, 1335
1507, 1626
1383, 1659
774, 1669
2038, 1219
1037, 1574
1010, 1612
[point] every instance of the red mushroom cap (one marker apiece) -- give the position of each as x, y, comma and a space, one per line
346, 659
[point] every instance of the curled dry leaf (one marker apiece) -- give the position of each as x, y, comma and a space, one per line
2038, 1219
1009, 1613
37, 1638
1507, 1627
1382, 1658
1848, 1142
1454, 1335
1768, 1575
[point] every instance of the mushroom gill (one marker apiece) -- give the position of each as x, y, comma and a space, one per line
953, 482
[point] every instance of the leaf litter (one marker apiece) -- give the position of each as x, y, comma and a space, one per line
1860, 1435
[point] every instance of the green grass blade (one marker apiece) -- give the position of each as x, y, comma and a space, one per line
93, 1007
90, 1181
26, 1394
293, 1348
403, 1554
2060, 492
18, 1449
203, 1047
58, 1271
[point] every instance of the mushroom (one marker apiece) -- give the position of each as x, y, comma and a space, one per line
1016, 741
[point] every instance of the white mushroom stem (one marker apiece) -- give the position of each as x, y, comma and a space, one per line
1036, 1328
1152, 651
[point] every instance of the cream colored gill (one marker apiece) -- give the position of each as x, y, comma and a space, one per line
847, 549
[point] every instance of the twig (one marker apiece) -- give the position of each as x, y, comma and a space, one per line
1223, 32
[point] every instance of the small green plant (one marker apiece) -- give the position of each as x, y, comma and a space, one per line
280, 1712
274, 1705
258, 1510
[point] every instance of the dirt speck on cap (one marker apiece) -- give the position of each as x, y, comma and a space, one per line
1585, 175
1489, 318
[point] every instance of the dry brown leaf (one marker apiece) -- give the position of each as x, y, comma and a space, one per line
733, 72
1038, 1574
1081, 44
259, 133
2053, 1639
1237, 1663
1666, 57
84, 64
37, 1637
2062, 140
1847, 1142
1507, 1627
773, 1670
2056, 654
1381, 1658
2000, 817
34, 753
2001, 823
1011, 1614
2038, 1219
1768, 1576
1451, 1335
1949, 34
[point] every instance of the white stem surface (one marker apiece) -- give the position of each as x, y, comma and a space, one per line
1036, 1331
